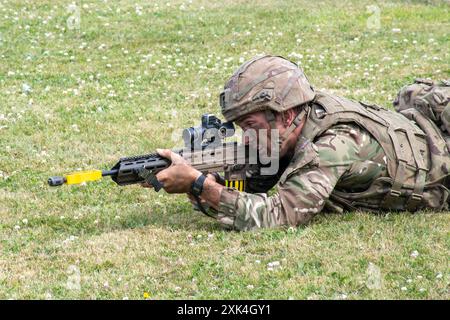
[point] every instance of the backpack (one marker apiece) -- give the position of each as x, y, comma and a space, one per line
418, 162
429, 98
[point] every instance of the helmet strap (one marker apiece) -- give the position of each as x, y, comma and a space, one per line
270, 117
294, 125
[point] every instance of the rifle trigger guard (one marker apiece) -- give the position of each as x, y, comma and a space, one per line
150, 178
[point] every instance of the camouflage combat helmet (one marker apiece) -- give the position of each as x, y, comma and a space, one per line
265, 83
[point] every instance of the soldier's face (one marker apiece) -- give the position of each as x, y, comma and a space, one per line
252, 124
258, 134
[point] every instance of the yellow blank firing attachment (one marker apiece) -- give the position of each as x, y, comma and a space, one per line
236, 184
83, 176
76, 178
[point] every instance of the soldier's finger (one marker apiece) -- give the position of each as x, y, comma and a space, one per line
172, 156
162, 178
166, 153
177, 159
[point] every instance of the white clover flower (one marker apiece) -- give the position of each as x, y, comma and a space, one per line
414, 254
75, 128
26, 88
403, 288
396, 30
273, 265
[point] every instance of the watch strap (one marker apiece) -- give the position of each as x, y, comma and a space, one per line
197, 185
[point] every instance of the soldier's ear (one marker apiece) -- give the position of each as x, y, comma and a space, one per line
288, 117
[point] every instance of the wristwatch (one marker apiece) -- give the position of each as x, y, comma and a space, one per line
197, 185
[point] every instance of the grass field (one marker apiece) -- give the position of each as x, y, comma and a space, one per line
82, 85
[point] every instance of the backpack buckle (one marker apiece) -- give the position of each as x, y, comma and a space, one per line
395, 193
416, 197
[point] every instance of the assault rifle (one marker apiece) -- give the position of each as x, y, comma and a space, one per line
204, 149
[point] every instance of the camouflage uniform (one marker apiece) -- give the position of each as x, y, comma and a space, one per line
343, 153
349, 156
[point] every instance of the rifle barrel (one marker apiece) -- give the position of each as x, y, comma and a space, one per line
110, 172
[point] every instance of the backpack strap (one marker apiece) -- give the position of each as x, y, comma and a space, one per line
399, 177
421, 173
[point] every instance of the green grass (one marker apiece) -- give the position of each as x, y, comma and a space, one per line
126, 81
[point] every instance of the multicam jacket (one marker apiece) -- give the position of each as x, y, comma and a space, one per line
349, 156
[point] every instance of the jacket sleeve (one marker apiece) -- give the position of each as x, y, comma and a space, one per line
303, 188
